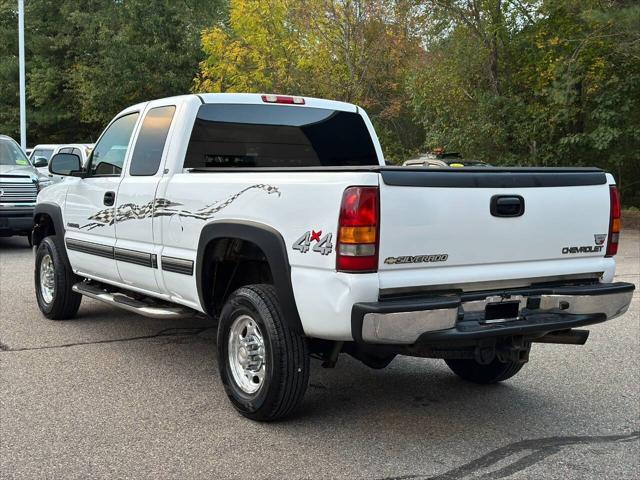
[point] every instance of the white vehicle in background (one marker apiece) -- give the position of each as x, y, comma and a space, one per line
278, 216
42, 154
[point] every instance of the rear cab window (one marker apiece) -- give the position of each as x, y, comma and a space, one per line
253, 136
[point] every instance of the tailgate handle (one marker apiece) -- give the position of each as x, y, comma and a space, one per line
507, 206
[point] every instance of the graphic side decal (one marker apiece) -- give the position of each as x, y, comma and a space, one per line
162, 207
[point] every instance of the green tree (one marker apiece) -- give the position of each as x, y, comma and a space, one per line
87, 59
354, 50
516, 82
534, 83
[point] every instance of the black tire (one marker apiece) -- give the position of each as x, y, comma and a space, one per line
494, 372
286, 355
30, 239
65, 301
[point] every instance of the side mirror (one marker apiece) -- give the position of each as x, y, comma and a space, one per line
65, 164
40, 162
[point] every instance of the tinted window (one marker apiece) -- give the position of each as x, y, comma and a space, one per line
151, 139
277, 136
108, 155
66, 150
76, 151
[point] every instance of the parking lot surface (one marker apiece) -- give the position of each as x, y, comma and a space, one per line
114, 395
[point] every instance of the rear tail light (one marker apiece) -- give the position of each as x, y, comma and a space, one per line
614, 222
358, 230
286, 99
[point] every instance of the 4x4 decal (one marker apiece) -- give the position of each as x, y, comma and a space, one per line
162, 207
323, 244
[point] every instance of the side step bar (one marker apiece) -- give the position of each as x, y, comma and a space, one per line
125, 302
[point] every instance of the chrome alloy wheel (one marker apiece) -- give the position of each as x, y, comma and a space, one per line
246, 354
47, 279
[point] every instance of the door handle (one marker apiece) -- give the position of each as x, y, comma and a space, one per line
109, 198
507, 206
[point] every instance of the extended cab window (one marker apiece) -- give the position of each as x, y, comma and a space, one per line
151, 139
109, 153
226, 136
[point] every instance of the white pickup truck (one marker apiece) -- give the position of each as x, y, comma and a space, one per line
277, 216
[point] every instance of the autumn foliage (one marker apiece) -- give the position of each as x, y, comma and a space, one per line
511, 82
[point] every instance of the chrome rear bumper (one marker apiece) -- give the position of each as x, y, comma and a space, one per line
461, 317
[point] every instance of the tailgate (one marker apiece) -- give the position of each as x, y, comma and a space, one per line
441, 227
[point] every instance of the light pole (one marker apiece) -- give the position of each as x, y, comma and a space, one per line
23, 112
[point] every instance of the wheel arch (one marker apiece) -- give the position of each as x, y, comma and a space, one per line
47, 220
272, 245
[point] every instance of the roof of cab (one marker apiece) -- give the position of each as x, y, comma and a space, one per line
256, 99
246, 98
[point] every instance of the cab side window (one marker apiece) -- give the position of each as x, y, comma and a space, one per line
147, 153
110, 152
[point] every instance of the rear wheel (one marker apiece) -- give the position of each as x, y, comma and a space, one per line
494, 372
54, 282
263, 364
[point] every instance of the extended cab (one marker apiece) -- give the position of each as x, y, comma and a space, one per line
277, 216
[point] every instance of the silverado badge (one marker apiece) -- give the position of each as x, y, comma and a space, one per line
442, 257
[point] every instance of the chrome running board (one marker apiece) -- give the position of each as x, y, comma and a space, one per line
123, 301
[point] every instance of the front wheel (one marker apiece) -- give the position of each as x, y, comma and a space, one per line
263, 363
54, 281
494, 372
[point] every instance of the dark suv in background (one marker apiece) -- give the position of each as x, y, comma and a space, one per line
20, 183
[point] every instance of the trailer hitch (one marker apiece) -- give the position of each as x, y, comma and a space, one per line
512, 349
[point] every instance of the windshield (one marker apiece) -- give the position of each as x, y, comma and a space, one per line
42, 153
252, 136
12, 154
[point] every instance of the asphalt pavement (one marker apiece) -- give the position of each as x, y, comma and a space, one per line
113, 395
